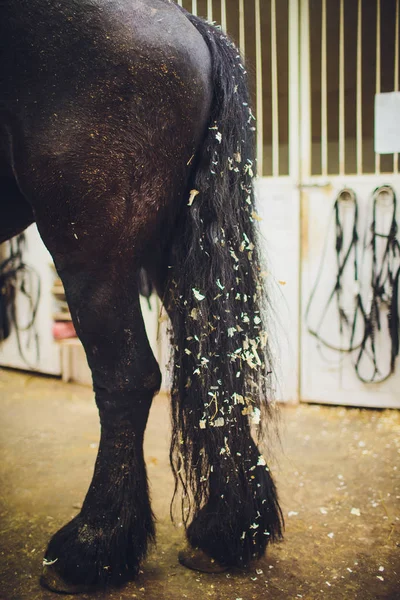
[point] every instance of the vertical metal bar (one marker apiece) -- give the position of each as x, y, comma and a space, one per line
378, 70
396, 50
223, 15
180, 2
305, 93
259, 90
324, 96
194, 7
275, 93
242, 37
359, 142
209, 10
294, 112
396, 76
305, 168
341, 93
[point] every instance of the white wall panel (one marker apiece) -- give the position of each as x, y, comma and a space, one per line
37, 256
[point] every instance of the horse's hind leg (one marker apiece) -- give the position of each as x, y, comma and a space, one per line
99, 268
108, 538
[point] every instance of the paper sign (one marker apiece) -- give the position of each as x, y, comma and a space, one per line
387, 123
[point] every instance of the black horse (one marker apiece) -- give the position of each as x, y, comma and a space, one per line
127, 136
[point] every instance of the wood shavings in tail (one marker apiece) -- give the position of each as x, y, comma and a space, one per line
223, 371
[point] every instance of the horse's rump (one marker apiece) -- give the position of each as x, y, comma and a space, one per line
103, 100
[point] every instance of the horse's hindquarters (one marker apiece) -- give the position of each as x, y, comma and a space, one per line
105, 104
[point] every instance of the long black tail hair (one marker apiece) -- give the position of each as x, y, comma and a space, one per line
222, 377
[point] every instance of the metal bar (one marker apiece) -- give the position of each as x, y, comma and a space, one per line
396, 76
304, 125
359, 141
341, 93
294, 112
179, 2
242, 37
209, 10
223, 15
324, 96
275, 93
259, 90
396, 50
378, 70
305, 92
194, 7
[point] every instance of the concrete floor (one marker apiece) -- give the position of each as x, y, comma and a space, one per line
338, 474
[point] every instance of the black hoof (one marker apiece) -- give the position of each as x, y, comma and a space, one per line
197, 560
86, 556
53, 581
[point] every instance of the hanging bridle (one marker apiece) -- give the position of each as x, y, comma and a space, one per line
384, 286
343, 258
16, 276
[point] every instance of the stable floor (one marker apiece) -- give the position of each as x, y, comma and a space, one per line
338, 472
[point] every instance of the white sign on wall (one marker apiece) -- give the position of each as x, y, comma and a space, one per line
387, 123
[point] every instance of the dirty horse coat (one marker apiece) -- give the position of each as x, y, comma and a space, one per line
126, 135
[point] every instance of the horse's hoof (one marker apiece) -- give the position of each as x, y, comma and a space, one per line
52, 581
197, 560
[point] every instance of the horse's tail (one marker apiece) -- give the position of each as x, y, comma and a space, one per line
222, 362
